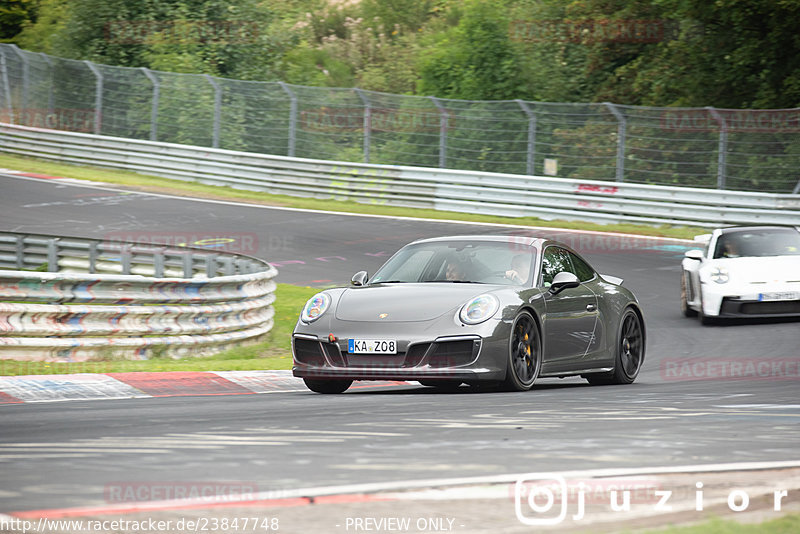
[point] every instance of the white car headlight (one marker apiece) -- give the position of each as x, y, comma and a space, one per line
315, 307
479, 309
720, 275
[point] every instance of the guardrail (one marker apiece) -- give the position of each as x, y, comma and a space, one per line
86, 298
441, 189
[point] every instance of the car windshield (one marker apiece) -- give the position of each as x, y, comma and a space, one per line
479, 262
758, 243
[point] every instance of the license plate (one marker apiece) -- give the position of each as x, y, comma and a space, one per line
372, 346
785, 295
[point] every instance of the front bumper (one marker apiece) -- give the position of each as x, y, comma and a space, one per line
722, 301
467, 358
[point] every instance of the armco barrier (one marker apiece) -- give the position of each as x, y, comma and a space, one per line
441, 189
68, 298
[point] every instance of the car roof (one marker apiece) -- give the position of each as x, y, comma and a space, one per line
734, 229
515, 239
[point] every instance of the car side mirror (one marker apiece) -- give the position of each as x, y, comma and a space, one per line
360, 278
563, 280
694, 254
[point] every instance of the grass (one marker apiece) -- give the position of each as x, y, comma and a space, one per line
788, 524
156, 184
273, 353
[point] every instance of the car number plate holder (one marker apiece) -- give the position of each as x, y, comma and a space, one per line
371, 346
781, 295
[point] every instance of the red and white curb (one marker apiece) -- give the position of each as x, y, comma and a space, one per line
52, 388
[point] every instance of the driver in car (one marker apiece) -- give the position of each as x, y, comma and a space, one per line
520, 265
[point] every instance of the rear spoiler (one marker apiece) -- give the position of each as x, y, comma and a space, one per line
612, 279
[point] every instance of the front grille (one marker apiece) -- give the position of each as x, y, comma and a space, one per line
383, 361
453, 353
308, 351
777, 307
415, 354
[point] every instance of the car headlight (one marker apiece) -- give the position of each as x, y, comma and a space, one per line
479, 309
720, 275
315, 307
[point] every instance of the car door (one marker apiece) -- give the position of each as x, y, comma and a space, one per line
570, 315
590, 279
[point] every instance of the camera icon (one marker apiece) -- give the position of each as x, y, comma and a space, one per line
539, 497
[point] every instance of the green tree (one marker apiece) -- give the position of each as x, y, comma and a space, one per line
14, 14
475, 60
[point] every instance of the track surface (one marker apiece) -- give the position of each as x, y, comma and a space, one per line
66, 454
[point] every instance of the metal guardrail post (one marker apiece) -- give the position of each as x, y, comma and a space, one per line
52, 255
125, 259
154, 106
25, 75
367, 122
211, 266
722, 151
92, 257
188, 264
98, 95
442, 132
20, 251
6, 86
292, 118
217, 110
622, 126
531, 152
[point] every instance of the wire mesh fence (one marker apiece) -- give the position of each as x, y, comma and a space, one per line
749, 150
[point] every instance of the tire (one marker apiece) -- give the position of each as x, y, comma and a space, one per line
524, 353
685, 309
327, 386
630, 349
443, 385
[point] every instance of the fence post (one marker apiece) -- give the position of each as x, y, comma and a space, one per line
722, 150
217, 110
154, 106
292, 117
25, 78
622, 126
531, 152
6, 86
442, 132
367, 122
98, 95
50, 104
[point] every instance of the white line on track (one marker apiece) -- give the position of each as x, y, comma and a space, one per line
345, 214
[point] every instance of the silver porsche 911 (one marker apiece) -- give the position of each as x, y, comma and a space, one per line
499, 310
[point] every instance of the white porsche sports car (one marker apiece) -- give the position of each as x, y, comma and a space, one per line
744, 271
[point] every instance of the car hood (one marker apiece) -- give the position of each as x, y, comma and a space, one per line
762, 269
404, 302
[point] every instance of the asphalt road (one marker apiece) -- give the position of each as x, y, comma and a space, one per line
69, 454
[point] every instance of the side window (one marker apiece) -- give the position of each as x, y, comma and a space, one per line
554, 261
581, 269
